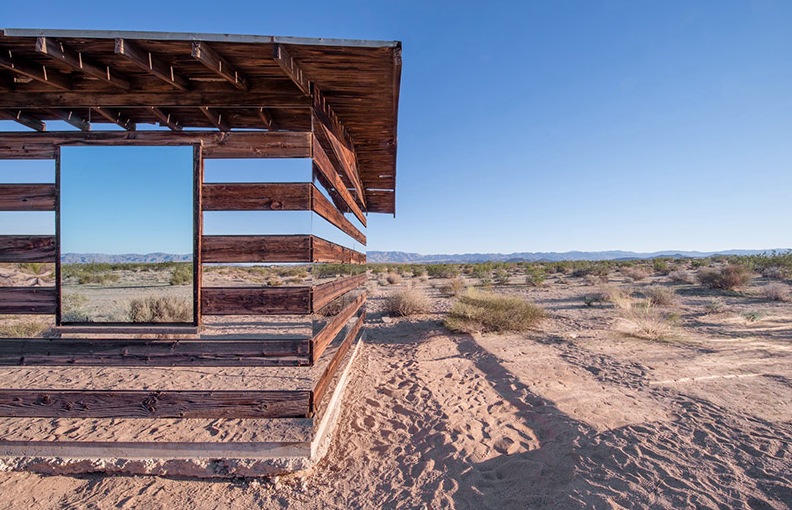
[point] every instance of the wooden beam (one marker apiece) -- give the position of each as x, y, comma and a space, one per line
72, 118
272, 249
28, 300
76, 60
216, 118
257, 197
324, 208
325, 166
327, 115
266, 118
325, 251
236, 144
135, 352
24, 119
256, 300
147, 61
27, 197
324, 381
15, 248
342, 158
286, 62
116, 117
154, 404
204, 54
334, 326
34, 71
326, 292
165, 119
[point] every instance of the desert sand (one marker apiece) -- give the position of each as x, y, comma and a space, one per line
574, 414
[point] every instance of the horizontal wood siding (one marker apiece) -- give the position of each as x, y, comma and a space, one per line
325, 251
255, 301
325, 166
324, 208
257, 197
44, 403
27, 249
326, 292
27, 197
274, 249
322, 339
324, 381
28, 300
130, 352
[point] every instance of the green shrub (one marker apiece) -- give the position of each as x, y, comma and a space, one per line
727, 278
489, 312
182, 275
443, 270
534, 276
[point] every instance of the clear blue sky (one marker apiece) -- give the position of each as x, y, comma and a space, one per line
550, 125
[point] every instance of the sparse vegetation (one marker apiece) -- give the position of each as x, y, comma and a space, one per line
23, 328
407, 302
680, 276
454, 287
393, 278
490, 312
775, 292
160, 309
645, 322
660, 296
182, 275
715, 306
728, 277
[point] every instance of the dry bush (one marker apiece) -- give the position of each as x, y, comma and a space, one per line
775, 292
727, 278
775, 273
714, 306
407, 302
393, 278
644, 322
23, 329
454, 287
160, 309
489, 312
635, 273
660, 296
182, 275
619, 297
680, 277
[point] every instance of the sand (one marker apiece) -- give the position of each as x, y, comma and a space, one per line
572, 415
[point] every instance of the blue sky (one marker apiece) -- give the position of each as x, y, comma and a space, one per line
551, 125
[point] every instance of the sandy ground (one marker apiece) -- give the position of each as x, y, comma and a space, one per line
572, 415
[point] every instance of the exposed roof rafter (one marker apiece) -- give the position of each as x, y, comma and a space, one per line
151, 63
74, 59
24, 119
166, 119
116, 117
267, 119
38, 72
204, 54
216, 118
72, 118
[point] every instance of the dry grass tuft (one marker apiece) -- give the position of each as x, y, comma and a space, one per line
23, 329
660, 296
635, 273
454, 287
727, 278
775, 292
644, 322
680, 276
407, 302
160, 309
393, 278
489, 312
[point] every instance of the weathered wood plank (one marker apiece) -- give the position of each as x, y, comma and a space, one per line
325, 166
76, 60
38, 72
116, 117
147, 61
326, 292
322, 339
253, 144
203, 53
28, 300
272, 249
22, 118
257, 197
216, 118
166, 119
266, 118
286, 62
344, 157
198, 225
327, 376
27, 249
127, 352
325, 251
324, 208
71, 117
256, 300
27, 197
154, 404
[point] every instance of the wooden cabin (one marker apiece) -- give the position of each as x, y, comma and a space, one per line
196, 398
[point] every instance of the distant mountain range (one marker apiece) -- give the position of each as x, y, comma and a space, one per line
85, 258
401, 257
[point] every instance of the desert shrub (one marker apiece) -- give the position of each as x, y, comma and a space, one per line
645, 322
407, 302
715, 305
775, 292
442, 270
487, 311
393, 278
680, 277
728, 277
39, 269
501, 276
635, 273
274, 281
23, 329
775, 272
593, 298
699, 263
454, 287
661, 266
97, 278
160, 309
534, 276
660, 296
182, 275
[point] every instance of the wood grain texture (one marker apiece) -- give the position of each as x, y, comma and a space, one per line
325, 166
274, 249
27, 197
326, 292
203, 53
256, 300
75, 60
257, 197
127, 352
27, 249
324, 208
322, 339
46, 403
327, 376
325, 251
28, 300
342, 158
